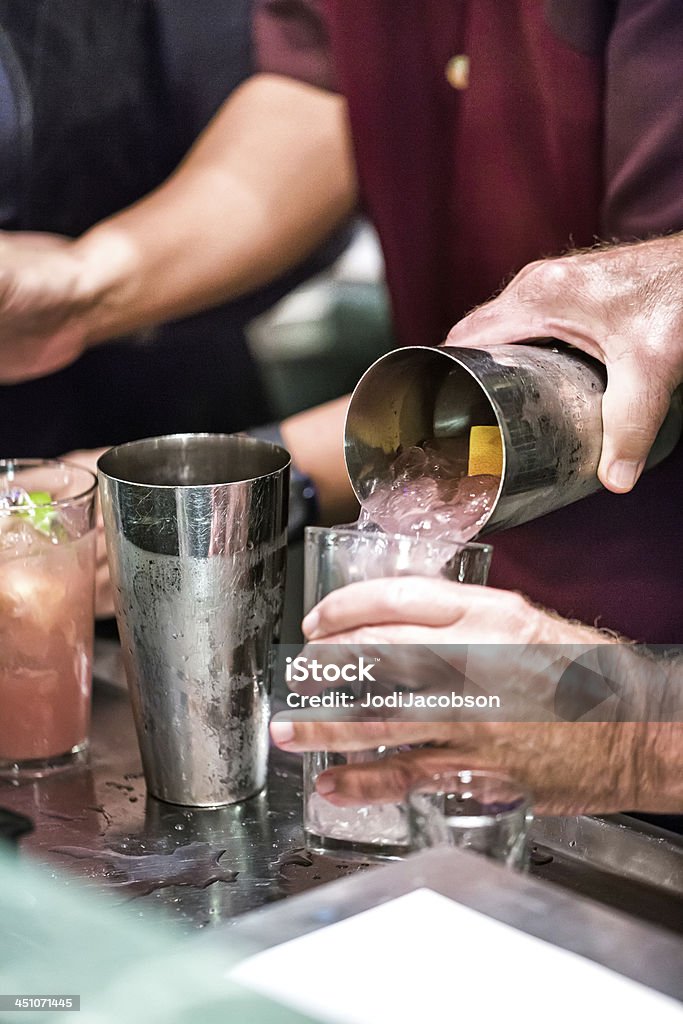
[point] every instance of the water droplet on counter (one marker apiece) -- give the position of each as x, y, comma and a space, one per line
197, 864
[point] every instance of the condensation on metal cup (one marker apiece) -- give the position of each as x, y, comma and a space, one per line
196, 538
545, 399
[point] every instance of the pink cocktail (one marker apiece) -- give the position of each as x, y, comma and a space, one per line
47, 572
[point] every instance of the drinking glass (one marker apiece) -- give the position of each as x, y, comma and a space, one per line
480, 811
47, 584
333, 558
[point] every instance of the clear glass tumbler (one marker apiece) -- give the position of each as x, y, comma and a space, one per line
47, 583
480, 811
333, 558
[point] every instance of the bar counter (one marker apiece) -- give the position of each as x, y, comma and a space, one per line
207, 866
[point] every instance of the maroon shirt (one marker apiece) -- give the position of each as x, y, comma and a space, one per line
570, 128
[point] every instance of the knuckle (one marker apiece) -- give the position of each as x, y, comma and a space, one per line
396, 778
517, 603
526, 271
548, 278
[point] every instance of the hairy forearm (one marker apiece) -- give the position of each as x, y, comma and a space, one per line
658, 782
265, 184
658, 742
631, 755
645, 686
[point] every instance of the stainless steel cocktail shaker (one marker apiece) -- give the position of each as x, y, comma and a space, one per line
545, 400
196, 537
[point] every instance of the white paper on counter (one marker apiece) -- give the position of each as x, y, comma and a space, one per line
424, 959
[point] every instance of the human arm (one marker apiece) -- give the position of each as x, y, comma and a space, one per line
264, 185
622, 304
315, 440
571, 766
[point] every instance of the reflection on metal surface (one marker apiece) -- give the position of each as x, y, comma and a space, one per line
546, 401
301, 869
196, 538
197, 864
618, 845
95, 810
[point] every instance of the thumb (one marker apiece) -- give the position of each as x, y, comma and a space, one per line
499, 322
633, 409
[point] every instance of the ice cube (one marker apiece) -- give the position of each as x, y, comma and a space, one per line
379, 824
446, 457
478, 493
18, 537
409, 464
15, 497
429, 494
473, 502
32, 594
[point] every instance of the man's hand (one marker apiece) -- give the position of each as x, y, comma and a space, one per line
571, 766
46, 289
622, 305
265, 184
104, 597
424, 610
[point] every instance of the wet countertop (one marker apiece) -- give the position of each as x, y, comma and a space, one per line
201, 866
205, 867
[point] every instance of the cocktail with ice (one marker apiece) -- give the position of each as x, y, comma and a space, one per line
47, 572
430, 493
336, 557
417, 521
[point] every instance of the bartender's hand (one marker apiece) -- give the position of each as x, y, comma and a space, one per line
572, 767
265, 184
622, 305
104, 596
47, 286
433, 636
